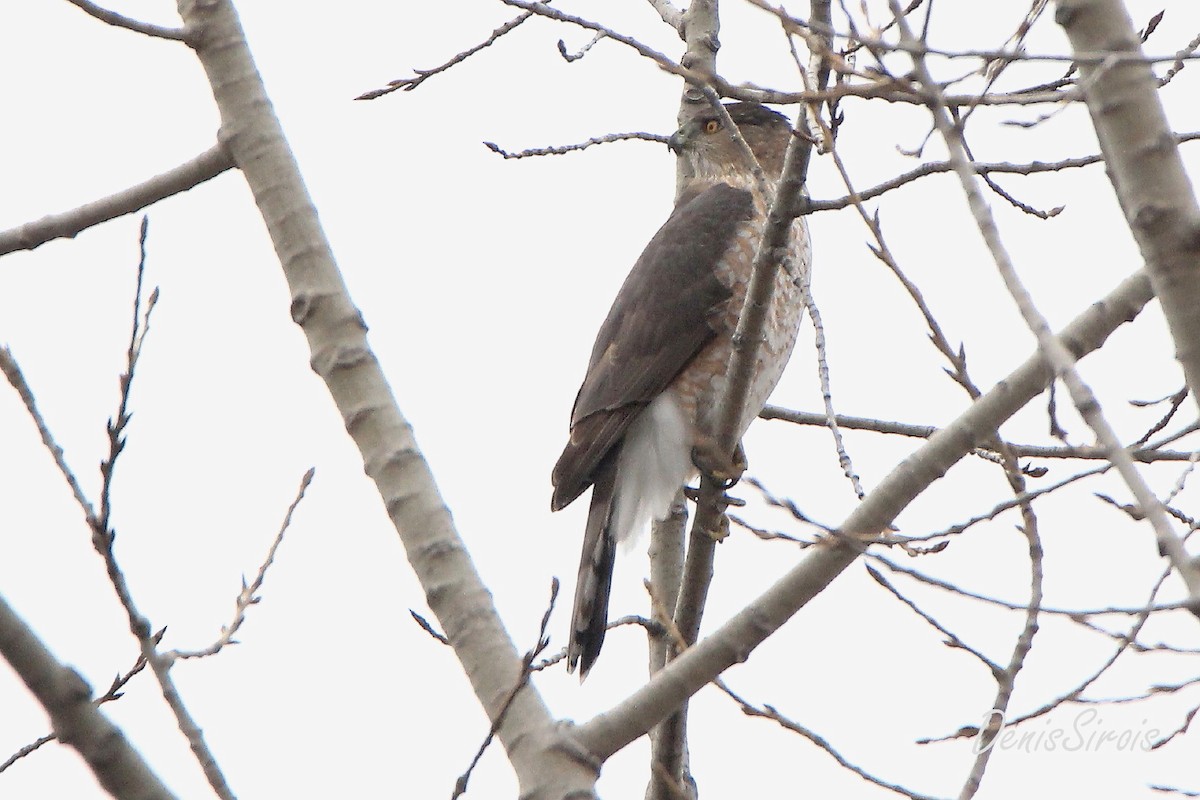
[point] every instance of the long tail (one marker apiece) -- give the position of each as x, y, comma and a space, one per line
589, 619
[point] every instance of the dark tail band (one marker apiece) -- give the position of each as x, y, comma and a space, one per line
589, 619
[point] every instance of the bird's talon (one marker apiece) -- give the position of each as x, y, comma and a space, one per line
724, 501
713, 463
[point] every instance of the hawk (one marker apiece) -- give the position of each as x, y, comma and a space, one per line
646, 410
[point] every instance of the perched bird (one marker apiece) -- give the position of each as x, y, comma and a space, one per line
645, 414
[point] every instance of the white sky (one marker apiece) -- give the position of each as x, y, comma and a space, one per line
483, 282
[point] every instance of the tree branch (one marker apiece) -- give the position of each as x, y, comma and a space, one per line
77, 722
121, 21
422, 75
686, 573
735, 640
1144, 166
1056, 352
342, 357
204, 167
670, 14
1082, 452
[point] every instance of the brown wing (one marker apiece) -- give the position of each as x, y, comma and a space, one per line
662, 317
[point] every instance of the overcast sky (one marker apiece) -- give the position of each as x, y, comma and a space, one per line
483, 282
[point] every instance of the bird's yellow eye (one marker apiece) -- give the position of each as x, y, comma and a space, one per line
712, 126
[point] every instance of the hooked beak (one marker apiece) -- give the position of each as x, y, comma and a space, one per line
676, 142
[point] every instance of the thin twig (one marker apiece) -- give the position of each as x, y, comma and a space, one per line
1011, 606
427, 626
1084, 452
1054, 350
831, 422
1179, 731
557, 150
771, 713
114, 693
1176, 401
66, 696
581, 52
422, 75
104, 536
952, 639
1123, 644
12, 371
248, 596
939, 167
543, 641
916, 47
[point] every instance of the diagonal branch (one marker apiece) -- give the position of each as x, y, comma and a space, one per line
670, 15
736, 639
204, 167
341, 356
248, 596
77, 722
422, 75
1143, 163
128, 23
1056, 352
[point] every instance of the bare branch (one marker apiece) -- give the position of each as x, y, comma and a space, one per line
342, 357
1084, 452
543, 641
12, 371
1065, 612
421, 75
204, 167
734, 641
807, 205
120, 21
1019, 499
103, 537
427, 626
1056, 352
670, 14
831, 417
114, 693
952, 640
1176, 401
1149, 178
1006, 679
248, 596
917, 47
1174, 790
581, 52
77, 722
771, 713
557, 150
1124, 643
1177, 67
1179, 731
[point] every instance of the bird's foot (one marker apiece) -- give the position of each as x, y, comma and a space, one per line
716, 463
725, 470
725, 500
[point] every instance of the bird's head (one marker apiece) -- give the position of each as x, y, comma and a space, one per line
712, 153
